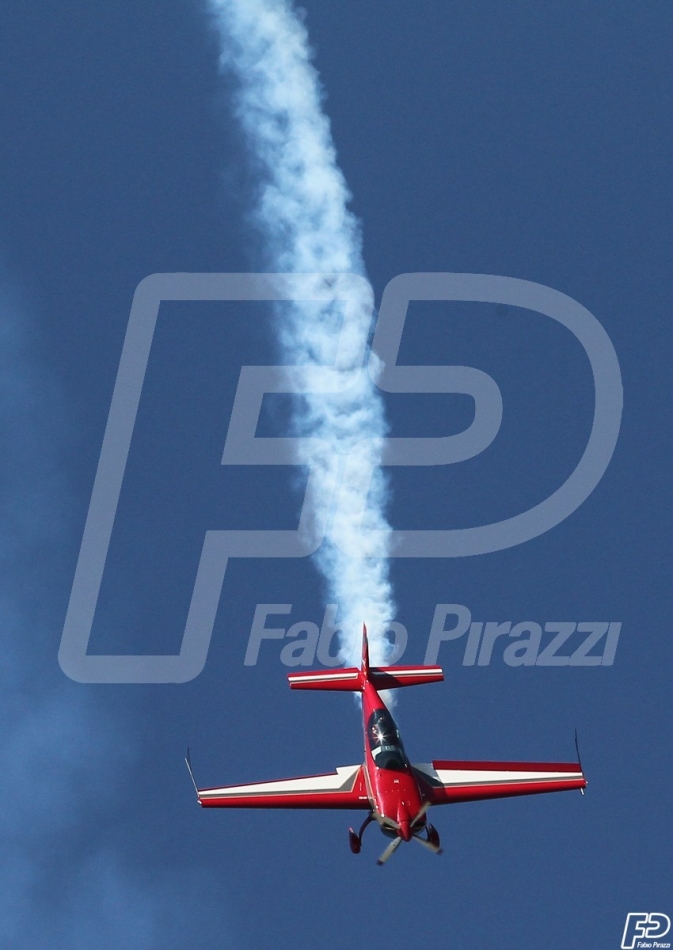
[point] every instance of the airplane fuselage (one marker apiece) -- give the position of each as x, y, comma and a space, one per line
393, 790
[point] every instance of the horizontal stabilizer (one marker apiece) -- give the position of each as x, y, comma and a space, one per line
381, 677
348, 679
393, 677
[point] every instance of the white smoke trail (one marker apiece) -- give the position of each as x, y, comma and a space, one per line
307, 228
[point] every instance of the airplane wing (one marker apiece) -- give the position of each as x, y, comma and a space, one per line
444, 782
343, 788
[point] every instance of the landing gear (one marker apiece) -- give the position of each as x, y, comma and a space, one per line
430, 840
433, 836
355, 839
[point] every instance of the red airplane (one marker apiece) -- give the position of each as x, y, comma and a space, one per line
394, 792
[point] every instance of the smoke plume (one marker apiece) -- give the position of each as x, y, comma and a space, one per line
302, 215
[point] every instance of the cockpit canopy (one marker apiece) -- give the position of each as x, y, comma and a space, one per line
385, 743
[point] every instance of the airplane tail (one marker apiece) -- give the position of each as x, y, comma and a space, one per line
365, 651
351, 679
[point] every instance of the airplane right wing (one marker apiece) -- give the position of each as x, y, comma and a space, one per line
444, 782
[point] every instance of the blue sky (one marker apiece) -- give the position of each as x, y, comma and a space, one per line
528, 140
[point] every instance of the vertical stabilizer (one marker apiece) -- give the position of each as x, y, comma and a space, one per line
365, 652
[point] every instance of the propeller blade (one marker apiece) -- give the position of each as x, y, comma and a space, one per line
421, 813
390, 850
435, 848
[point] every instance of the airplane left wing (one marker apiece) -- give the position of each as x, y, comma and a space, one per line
457, 781
343, 788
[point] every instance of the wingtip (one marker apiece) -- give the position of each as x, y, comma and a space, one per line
579, 761
188, 763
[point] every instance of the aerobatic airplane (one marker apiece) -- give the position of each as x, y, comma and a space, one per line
387, 786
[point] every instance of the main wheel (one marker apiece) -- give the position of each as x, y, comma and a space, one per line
354, 842
433, 836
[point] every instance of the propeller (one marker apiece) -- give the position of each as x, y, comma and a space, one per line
431, 842
390, 850
421, 814
396, 842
